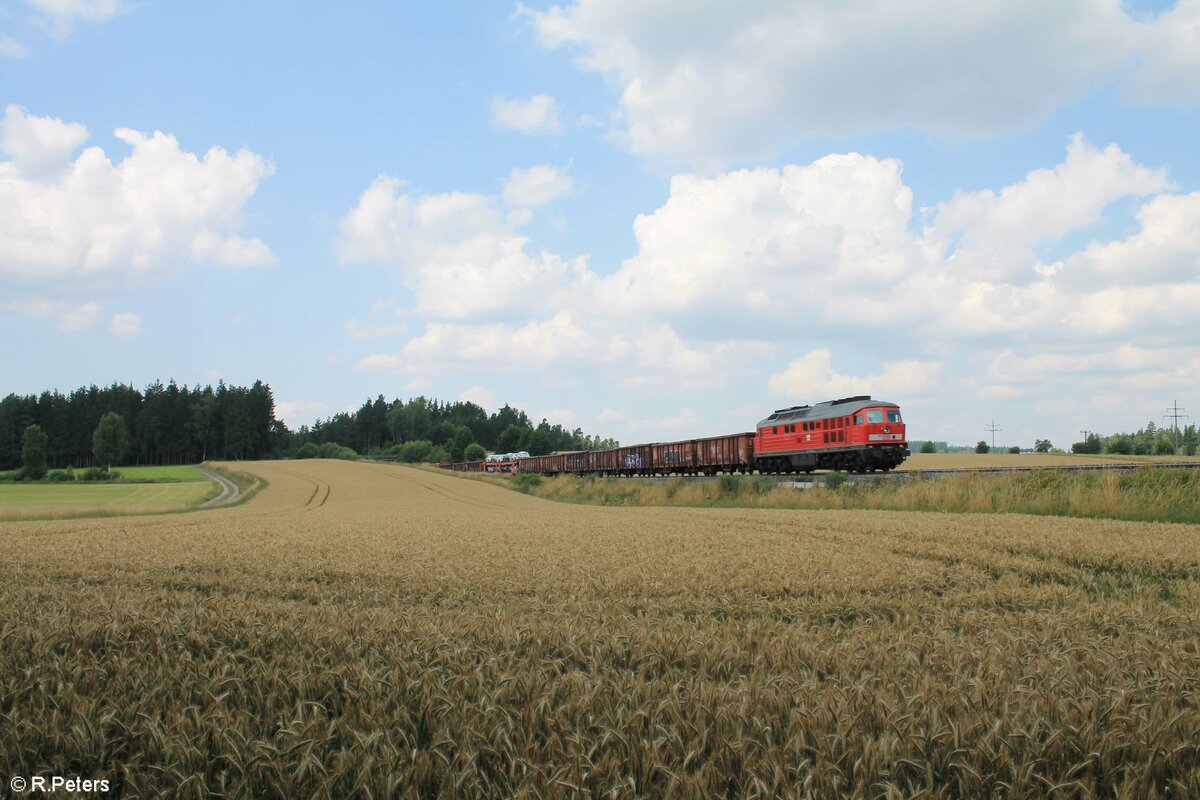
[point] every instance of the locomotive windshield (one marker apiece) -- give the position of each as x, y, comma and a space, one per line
875, 415
893, 415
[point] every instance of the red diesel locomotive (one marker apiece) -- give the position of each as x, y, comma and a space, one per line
857, 434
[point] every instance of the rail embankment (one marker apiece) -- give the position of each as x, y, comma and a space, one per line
1148, 494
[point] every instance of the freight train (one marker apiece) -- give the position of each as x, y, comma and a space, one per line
856, 434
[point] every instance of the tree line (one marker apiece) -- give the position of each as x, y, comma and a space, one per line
424, 429
173, 424
168, 424
1151, 440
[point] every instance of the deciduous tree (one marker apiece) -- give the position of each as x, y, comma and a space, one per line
33, 452
108, 442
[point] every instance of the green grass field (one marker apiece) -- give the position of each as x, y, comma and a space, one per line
172, 474
47, 501
160, 474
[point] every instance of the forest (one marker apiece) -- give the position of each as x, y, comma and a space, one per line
173, 424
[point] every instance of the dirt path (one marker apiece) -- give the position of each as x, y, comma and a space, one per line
229, 490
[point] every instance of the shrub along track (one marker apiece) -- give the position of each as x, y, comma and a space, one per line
912, 473
420, 635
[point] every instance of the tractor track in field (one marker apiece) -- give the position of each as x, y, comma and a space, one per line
438, 491
320, 493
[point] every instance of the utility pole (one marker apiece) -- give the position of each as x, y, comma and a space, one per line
992, 428
1175, 415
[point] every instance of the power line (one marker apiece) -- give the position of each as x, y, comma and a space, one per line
1176, 415
993, 428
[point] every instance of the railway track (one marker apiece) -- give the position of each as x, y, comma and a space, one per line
805, 481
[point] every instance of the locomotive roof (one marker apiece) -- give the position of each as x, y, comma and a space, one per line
830, 408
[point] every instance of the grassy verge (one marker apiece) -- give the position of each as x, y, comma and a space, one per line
1148, 494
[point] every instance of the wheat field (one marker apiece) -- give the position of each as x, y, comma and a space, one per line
376, 631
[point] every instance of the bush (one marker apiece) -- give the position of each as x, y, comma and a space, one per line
1014, 450
474, 452
835, 480
527, 481
928, 447
63, 475
763, 484
416, 451
334, 450
99, 474
982, 447
1121, 445
307, 450
730, 485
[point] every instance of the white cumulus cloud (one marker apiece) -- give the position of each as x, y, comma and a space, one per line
58, 17
536, 186
538, 114
1168, 68
997, 231
709, 82
736, 270
65, 220
300, 412
125, 325
12, 48
812, 375
483, 397
80, 318
455, 250
39, 145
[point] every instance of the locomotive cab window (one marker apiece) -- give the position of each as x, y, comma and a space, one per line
893, 415
875, 415
858, 419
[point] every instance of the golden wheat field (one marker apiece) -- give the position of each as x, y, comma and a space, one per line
375, 631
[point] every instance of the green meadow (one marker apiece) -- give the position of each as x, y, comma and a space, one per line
138, 490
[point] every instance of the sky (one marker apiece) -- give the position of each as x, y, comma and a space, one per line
650, 219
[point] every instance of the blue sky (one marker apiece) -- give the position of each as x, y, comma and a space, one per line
649, 220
